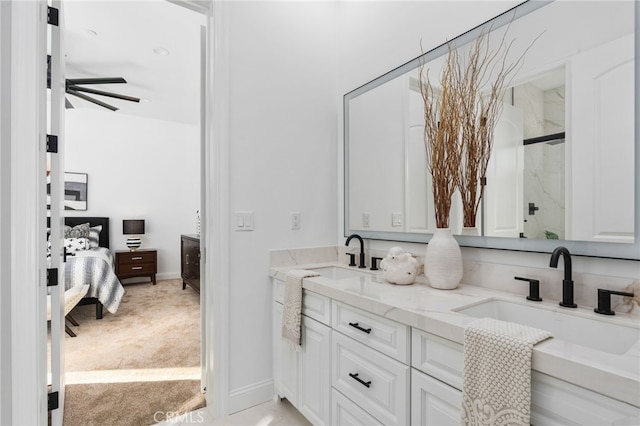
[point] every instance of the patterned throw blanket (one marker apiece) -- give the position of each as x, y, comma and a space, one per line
95, 267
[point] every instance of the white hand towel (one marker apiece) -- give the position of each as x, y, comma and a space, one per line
496, 386
292, 309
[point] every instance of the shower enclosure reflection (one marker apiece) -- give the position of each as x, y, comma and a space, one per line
542, 101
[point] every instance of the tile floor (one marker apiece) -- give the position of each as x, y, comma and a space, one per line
267, 414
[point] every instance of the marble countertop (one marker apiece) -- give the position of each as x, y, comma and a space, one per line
433, 310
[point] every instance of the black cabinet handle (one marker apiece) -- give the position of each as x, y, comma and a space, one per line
355, 376
356, 325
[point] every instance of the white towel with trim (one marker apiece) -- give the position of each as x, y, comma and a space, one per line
496, 387
292, 309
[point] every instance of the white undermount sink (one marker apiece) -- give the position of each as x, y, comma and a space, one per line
337, 273
604, 334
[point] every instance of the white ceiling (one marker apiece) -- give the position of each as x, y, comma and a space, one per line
126, 34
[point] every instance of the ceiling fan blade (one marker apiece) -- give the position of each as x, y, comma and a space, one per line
100, 80
92, 100
67, 104
100, 92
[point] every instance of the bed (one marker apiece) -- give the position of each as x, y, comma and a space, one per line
95, 267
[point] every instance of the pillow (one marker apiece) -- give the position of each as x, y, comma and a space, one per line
94, 236
74, 245
78, 231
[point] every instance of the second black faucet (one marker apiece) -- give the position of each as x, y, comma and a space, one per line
362, 261
567, 283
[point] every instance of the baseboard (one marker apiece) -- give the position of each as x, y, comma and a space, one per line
248, 396
167, 276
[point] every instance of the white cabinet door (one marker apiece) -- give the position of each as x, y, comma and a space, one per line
433, 402
285, 361
315, 372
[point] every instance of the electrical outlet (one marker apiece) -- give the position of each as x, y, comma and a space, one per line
396, 219
295, 220
365, 220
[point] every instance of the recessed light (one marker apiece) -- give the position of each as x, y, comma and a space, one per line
90, 32
161, 51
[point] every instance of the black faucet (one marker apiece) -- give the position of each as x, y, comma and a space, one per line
362, 262
567, 283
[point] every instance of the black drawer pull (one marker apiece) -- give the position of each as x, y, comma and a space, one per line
356, 325
355, 376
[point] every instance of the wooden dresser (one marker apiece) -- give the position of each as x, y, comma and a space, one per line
190, 261
139, 263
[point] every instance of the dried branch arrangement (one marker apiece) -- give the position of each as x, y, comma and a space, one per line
441, 137
460, 121
480, 112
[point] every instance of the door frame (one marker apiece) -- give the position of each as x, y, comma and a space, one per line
23, 344
214, 202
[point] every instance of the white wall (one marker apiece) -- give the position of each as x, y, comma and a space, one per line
282, 159
138, 168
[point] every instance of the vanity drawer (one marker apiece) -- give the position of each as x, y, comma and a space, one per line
314, 305
377, 383
345, 413
438, 357
389, 337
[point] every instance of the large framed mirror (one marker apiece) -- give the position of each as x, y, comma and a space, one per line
564, 164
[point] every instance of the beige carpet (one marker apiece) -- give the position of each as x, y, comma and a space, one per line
126, 404
131, 367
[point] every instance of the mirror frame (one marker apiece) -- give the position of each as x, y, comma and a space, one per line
582, 248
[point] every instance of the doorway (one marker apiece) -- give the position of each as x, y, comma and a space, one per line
168, 143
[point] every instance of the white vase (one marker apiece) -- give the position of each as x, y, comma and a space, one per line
443, 260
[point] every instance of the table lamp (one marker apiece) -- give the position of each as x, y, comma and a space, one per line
134, 228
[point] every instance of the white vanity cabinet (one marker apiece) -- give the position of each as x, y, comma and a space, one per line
436, 391
359, 368
304, 377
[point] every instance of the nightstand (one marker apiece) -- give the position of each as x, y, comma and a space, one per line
139, 263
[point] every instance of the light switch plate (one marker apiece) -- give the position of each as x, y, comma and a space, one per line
244, 221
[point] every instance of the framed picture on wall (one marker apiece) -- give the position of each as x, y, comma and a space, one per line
75, 191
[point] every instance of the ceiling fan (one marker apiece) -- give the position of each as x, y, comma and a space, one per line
74, 87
